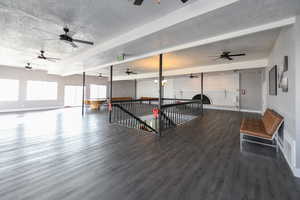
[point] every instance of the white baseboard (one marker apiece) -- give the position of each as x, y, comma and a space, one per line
30, 109
296, 172
292, 161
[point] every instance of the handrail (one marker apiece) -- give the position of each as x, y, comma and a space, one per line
154, 99
181, 99
133, 100
181, 103
135, 117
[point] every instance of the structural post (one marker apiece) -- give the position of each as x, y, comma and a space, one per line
202, 92
160, 92
110, 92
135, 89
83, 93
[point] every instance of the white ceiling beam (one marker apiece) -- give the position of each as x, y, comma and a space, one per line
262, 63
189, 11
226, 36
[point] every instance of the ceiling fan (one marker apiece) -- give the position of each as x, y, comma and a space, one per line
99, 75
28, 66
193, 76
140, 2
227, 55
129, 71
67, 36
42, 56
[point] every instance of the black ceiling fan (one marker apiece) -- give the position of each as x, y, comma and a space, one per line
227, 55
42, 56
67, 37
129, 71
193, 76
28, 66
99, 75
140, 2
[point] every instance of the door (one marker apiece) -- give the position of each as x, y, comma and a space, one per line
251, 90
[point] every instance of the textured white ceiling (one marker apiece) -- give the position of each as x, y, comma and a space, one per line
22, 24
256, 46
240, 15
29, 25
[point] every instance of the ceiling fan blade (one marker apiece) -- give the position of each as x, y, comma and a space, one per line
138, 2
241, 54
83, 41
49, 58
229, 58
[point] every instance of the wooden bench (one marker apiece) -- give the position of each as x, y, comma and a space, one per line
265, 128
94, 104
121, 98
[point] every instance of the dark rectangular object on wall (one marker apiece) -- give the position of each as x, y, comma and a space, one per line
273, 81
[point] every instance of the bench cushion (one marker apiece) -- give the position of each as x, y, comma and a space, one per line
271, 121
265, 127
254, 127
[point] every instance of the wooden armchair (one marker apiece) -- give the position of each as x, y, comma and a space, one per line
265, 128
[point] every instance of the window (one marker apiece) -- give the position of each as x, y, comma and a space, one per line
9, 90
41, 90
97, 91
73, 95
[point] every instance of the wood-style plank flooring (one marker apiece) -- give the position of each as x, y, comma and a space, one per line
58, 155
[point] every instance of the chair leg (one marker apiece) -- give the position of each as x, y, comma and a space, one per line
241, 142
277, 146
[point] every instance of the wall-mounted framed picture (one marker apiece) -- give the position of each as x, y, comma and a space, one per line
284, 81
273, 81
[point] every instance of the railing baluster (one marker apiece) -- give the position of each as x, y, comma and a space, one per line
176, 111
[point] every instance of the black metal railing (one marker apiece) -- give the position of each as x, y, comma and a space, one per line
139, 113
122, 116
138, 107
182, 112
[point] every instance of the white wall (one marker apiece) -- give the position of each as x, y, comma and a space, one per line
284, 102
221, 87
297, 91
23, 76
123, 88
287, 103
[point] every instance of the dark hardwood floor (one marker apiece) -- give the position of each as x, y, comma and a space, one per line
57, 155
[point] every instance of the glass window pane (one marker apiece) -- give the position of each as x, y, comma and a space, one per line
9, 90
41, 90
97, 91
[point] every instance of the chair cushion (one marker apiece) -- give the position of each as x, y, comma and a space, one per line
254, 127
271, 121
